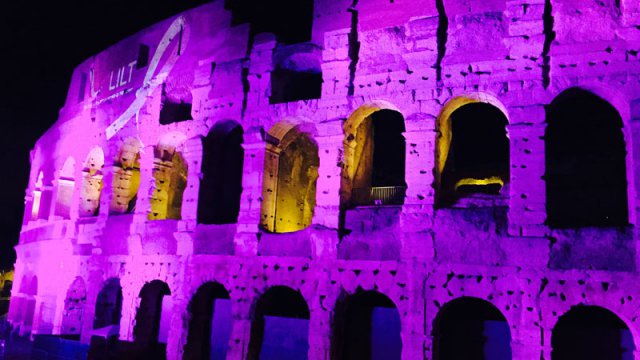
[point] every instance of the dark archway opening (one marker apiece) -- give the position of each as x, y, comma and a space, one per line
591, 332
280, 327
586, 172
222, 164
380, 160
478, 155
367, 326
106, 322
471, 329
149, 333
108, 305
210, 325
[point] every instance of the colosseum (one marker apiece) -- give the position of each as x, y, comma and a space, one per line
362, 179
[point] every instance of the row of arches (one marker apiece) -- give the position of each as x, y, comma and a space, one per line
365, 325
585, 168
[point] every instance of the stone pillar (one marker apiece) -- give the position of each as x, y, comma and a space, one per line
327, 208
94, 286
130, 305
179, 329
239, 339
143, 204
246, 242
335, 64
320, 335
192, 154
44, 315
107, 190
527, 196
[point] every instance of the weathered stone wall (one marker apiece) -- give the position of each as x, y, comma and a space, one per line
421, 58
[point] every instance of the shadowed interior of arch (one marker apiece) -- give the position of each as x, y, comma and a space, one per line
152, 319
221, 185
280, 326
289, 182
367, 326
586, 173
378, 160
471, 328
477, 155
591, 332
210, 323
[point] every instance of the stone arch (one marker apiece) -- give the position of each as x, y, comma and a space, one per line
374, 174
65, 188
170, 175
210, 323
471, 328
91, 186
222, 167
290, 173
152, 318
126, 177
37, 208
591, 332
74, 304
586, 162
366, 325
108, 310
280, 326
30, 289
472, 147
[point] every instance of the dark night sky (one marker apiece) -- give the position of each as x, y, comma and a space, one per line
42, 41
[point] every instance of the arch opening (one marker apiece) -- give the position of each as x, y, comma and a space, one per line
222, 165
210, 324
289, 182
126, 178
375, 153
280, 327
91, 183
66, 186
170, 175
367, 326
108, 307
472, 151
37, 205
591, 332
586, 173
152, 318
471, 328
74, 304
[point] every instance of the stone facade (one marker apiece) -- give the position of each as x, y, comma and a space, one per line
122, 189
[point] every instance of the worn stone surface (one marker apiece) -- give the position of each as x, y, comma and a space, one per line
113, 194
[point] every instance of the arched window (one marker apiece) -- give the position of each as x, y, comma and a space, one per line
374, 151
170, 174
367, 326
221, 185
91, 183
108, 308
153, 318
280, 327
471, 328
106, 321
591, 332
37, 198
289, 181
586, 173
210, 324
126, 177
29, 287
66, 187
74, 308
472, 150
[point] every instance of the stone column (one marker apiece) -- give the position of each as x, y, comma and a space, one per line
527, 197
246, 242
179, 329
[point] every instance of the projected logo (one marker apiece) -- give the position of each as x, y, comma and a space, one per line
165, 57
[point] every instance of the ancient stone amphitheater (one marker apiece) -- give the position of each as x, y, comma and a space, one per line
373, 179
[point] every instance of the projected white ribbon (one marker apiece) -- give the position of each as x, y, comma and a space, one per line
151, 79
